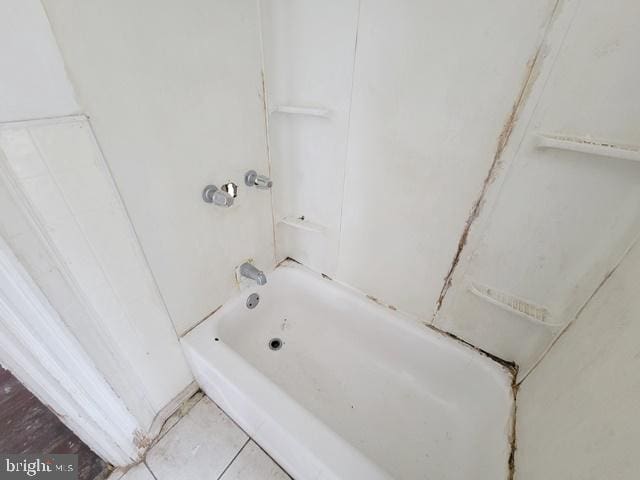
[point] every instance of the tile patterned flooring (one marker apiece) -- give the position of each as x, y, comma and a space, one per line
204, 444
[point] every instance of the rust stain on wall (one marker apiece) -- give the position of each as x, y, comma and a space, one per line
512, 434
531, 74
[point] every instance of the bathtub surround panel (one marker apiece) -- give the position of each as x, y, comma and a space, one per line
447, 143
309, 50
313, 401
578, 410
434, 83
175, 95
563, 216
34, 83
78, 242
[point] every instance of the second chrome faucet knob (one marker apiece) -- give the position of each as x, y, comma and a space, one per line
252, 179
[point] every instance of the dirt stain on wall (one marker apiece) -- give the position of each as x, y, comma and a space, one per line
531, 74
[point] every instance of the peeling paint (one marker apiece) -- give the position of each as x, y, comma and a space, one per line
141, 440
144, 442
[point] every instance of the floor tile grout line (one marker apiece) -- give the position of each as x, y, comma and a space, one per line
272, 459
249, 439
234, 458
247, 434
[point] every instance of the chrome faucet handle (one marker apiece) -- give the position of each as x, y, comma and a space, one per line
212, 194
252, 179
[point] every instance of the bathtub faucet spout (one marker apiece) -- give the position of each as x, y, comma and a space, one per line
249, 271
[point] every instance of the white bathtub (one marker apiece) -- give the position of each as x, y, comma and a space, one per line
357, 392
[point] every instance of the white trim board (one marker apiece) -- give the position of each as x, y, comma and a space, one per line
44, 355
71, 233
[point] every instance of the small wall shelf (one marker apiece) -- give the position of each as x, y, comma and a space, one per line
513, 304
302, 224
588, 146
297, 110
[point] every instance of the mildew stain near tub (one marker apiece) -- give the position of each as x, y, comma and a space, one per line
531, 74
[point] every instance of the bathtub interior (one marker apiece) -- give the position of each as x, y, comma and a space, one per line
412, 400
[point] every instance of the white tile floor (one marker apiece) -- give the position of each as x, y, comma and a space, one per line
205, 445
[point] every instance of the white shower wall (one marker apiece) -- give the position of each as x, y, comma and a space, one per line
174, 93
419, 98
578, 410
308, 54
559, 220
416, 164
434, 85
29, 55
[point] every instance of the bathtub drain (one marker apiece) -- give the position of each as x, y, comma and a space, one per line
275, 344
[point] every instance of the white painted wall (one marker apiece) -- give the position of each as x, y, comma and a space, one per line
578, 410
33, 83
174, 92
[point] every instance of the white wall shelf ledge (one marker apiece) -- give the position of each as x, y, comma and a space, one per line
589, 146
298, 110
302, 224
511, 303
